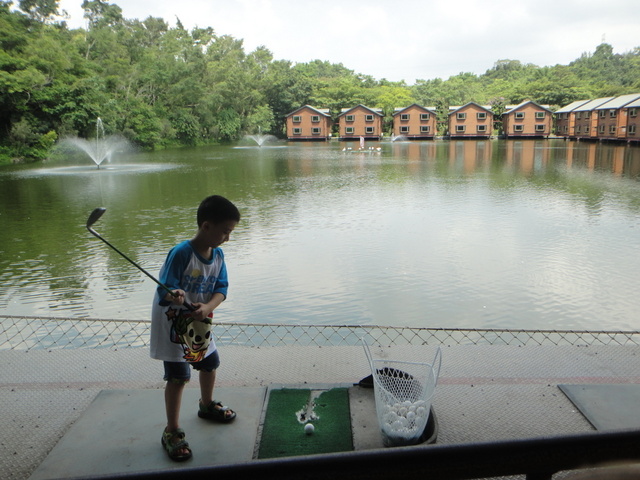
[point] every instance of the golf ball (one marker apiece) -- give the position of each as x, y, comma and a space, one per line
309, 428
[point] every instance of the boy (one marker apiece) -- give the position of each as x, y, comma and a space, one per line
195, 271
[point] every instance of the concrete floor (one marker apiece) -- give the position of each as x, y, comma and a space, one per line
485, 393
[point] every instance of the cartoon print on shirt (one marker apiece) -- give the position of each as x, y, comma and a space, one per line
193, 335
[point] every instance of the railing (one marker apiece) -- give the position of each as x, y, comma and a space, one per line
28, 333
538, 459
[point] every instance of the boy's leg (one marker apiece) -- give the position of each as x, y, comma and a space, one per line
177, 375
207, 382
207, 409
173, 400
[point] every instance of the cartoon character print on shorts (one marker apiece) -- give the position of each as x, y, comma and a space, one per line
193, 335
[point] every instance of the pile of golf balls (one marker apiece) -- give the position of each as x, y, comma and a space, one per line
405, 418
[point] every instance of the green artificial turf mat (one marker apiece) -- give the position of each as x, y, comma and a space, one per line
283, 432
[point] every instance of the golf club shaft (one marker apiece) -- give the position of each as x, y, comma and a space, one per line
96, 234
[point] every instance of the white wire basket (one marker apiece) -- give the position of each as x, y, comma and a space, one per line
403, 392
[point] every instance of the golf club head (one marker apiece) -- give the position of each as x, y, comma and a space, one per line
95, 216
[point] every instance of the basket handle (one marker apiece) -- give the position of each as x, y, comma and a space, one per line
437, 359
368, 354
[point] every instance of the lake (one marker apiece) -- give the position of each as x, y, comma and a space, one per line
535, 234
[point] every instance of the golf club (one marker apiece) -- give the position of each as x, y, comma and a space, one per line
93, 218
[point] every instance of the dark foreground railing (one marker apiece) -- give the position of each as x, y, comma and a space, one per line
537, 458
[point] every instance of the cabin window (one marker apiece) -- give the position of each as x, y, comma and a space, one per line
404, 129
404, 117
481, 115
348, 130
368, 130
350, 118
540, 115
425, 128
631, 130
540, 128
482, 128
315, 131
633, 112
297, 131
315, 118
424, 117
460, 128
519, 115
297, 119
461, 116
368, 118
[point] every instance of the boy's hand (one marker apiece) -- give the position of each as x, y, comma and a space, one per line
177, 297
202, 311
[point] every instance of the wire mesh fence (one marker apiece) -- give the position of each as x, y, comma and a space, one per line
31, 333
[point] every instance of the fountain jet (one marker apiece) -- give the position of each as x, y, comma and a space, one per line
101, 148
260, 139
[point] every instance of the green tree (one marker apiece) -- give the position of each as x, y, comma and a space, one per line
40, 10
389, 97
498, 107
285, 88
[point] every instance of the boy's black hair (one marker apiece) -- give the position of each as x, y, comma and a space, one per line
217, 209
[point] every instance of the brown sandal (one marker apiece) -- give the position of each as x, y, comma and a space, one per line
216, 411
173, 443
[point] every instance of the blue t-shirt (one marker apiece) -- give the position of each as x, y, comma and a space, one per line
175, 336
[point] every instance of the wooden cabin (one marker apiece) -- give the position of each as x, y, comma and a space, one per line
309, 123
612, 117
470, 120
360, 121
414, 122
566, 119
527, 120
632, 114
586, 122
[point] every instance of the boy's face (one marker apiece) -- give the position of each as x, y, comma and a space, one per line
218, 233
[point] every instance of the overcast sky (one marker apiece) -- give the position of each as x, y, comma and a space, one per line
409, 39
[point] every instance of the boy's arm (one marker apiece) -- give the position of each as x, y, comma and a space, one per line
171, 274
219, 293
203, 310
177, 298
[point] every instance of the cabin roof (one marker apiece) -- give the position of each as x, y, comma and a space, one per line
320, 111
572, 106
634, 104
592, 104
619, 102
377, 111
426, 109
527, 102
455, 109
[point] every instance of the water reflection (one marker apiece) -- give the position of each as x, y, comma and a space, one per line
520, 234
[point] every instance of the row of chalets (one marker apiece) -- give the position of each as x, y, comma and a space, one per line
607, 118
